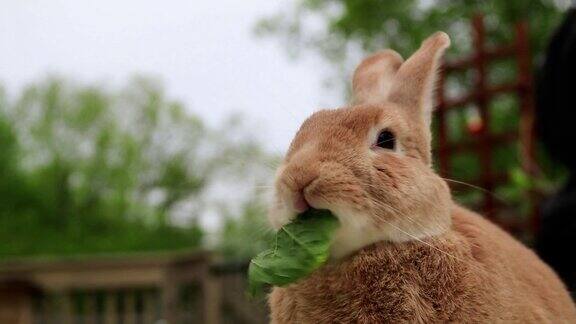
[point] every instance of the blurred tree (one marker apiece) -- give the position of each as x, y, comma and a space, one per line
339, 29
87, 170
244, 236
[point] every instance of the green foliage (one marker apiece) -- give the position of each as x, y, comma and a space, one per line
299, 248
88, 170
402, 25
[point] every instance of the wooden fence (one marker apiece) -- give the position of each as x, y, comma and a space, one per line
482, 141
137, 289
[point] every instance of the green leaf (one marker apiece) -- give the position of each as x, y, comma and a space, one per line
300, 248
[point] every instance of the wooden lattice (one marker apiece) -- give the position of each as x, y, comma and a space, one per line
483, 142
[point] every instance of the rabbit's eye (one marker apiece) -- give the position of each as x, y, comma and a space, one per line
386, 140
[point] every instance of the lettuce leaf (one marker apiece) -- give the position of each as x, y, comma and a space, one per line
299, 248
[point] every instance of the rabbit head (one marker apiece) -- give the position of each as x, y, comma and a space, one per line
370, 163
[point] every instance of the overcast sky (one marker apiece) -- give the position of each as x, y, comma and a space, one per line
204, 52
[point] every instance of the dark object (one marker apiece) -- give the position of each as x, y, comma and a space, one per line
557, 235
555, 122
556, 96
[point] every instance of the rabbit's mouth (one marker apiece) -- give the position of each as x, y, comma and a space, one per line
355, 232
360, 227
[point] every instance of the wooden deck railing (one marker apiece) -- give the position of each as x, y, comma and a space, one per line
137, 289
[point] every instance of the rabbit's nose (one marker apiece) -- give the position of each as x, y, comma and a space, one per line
300, 203
296, 177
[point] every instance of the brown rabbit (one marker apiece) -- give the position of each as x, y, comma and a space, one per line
405, 252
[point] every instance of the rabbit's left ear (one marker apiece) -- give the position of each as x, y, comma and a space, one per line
373, 78
413, 86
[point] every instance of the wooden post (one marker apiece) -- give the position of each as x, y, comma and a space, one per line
525, 94
66, 310
170, 297
149, 306
211, 291
527, 132
90, 309
111, 307
130, 307
482, 104
16, 303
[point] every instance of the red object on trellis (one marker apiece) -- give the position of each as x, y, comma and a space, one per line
480, 96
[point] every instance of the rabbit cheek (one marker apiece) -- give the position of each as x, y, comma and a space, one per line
411, 201
337, 189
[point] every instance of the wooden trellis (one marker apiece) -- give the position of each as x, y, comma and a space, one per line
483, 142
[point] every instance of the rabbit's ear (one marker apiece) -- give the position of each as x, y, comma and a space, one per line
373, 77
413, 86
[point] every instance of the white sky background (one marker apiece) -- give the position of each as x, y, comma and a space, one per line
204, 52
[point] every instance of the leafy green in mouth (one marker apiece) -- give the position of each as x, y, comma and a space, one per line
300, 247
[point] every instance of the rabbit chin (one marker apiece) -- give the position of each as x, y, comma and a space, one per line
359, 230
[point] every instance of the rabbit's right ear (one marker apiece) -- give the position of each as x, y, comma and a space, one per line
373, 78
413, 86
